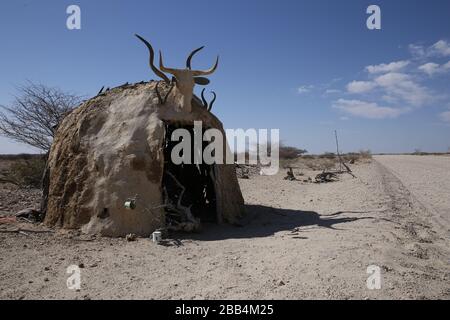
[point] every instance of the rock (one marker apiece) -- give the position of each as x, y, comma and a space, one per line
281, 283
81, 265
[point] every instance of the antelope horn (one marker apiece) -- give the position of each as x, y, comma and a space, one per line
206, 72
188, 61
168, 70
205, 103
212, 101
152, 56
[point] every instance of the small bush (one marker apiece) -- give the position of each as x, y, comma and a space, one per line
317, 163
25, 173
287, 152
351, 157
328, 155
365, 154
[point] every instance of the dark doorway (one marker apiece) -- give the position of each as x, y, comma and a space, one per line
197, 179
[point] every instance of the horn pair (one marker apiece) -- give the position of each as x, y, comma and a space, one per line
162, 68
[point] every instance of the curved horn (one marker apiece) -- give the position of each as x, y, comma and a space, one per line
206, 72
152, 56
168, 70
188, 61
212, 101
205, 103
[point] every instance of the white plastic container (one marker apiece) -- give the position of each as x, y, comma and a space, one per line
156, 236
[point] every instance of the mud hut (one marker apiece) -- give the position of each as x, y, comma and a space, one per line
110, 172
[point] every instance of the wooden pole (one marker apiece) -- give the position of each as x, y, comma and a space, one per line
337, 150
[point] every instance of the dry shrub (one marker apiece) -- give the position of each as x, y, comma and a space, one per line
353, 157
365, 154
25, 173
287, 152
317, 163
328, 155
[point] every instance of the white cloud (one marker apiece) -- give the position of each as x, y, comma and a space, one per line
360, 86
332, 91
432, 68
395, 87
440, 48
389, 99
417, 51
368, 110
390, 67
445, 116
304, 89
402, 86
429, 68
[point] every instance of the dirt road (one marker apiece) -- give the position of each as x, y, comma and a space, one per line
299, 241
428, 180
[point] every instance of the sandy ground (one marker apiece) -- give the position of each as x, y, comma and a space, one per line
298, 241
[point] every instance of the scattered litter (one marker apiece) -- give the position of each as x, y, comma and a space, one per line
290, 175
30, 215
156, 236
326, 177
130, 237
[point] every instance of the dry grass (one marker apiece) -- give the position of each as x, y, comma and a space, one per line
326, 161
22, 172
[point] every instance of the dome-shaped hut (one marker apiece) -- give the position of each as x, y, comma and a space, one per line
110, 169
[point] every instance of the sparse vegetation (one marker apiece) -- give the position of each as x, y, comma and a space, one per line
24, 172
35, 113
288, 152
328, 160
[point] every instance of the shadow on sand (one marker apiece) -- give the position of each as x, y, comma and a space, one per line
262, 221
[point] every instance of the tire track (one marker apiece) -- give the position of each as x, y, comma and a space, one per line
406, 208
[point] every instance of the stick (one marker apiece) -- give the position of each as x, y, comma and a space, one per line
337, 150
341, 162
186, 210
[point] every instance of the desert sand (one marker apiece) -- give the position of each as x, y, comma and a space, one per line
299, 240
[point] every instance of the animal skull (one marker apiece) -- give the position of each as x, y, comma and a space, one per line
185, 78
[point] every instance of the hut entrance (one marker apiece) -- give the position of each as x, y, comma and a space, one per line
188, 189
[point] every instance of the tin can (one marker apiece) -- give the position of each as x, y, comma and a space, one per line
156, 236
130, 204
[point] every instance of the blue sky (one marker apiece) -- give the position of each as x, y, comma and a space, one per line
305, 67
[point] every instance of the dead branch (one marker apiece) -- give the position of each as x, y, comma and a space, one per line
182, 210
